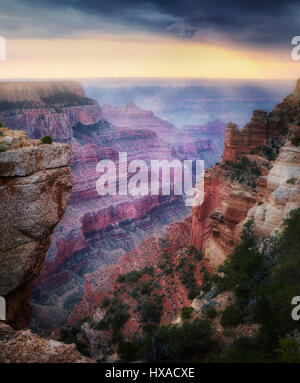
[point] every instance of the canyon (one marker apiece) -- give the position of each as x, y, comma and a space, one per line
133, 254
95, 232
257, 180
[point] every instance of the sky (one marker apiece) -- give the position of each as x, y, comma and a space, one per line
156, 38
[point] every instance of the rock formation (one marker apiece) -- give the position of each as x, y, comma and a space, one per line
26, 347
35, 183
46, 108
229, 202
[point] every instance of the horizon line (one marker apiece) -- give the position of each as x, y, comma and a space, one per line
144, 78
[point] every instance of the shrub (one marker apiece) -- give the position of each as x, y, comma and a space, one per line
288, 351
150, 312
190, 342
243, 350
145, 287
135, 292
106, 302
102, 325
148, 270
46, 140
186, 313
231, 316
244, 171
295, 141
129, 351
211, 312
132, 276
245, 269
187, 278
206, 279
273, 298
168, 271
2, 148
119, 318
291, 181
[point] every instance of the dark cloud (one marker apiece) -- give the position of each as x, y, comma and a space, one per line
260, 23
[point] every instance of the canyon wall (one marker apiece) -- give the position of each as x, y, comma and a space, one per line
230, 201
46, 108
95, 232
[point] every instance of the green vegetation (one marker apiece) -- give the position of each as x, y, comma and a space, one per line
151, 310
295, 141
186, 313
271, 149
145, 287
69, 335
106, 302
211, 312
292, 181
132, 276
245, 269
149, 270
129, 351
206, 279
273, 307
231, 317
119, 318
2, 148
115, 318
288, 351
193, 252
243, 350
186, 271
47, 140
264, 280
264, 287
243, 171
191, 342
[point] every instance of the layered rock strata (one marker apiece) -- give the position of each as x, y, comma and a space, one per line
35, 183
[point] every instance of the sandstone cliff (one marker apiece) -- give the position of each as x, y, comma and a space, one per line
46, 108
35, 183
233, 195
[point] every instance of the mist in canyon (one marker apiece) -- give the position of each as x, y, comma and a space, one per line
100, 238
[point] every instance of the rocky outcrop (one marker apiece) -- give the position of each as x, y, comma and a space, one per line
215, 227
228, 204
37, 92
46, 108
26, 347
279, 192
253, 135
35, 182
132, 117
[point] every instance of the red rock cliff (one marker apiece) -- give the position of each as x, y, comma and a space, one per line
229, 201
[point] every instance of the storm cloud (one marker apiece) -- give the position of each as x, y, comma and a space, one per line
260, 24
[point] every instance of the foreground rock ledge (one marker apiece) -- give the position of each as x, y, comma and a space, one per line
35, 183
26, 347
